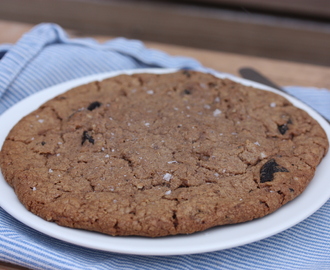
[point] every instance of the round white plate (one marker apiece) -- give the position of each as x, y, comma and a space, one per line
222, 237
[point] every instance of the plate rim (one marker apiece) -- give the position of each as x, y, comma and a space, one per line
165, 244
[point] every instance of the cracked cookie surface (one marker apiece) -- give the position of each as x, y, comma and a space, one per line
156, 155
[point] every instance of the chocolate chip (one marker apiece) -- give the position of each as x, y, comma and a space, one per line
43, 143
187, 92
291, 189
268, 169
283, 128
212, 84
87, 137
187, 73
94, 105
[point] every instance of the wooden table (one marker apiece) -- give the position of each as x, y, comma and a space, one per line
282, 72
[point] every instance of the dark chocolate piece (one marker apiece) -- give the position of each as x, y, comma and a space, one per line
187, 73
94, 105
268, 169
187, 92
283, 128
87, 137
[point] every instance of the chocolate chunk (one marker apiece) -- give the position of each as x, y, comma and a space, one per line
187, 73
87, 137
268, 169
94, 105
283, 128
187, 92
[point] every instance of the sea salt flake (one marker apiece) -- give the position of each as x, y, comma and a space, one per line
217, 100
150, 92
32, 138
41, 120
58, 154
168, 192
59, 143
263, 155
147, 124
34, 188
257, 143
273, 104
106, 156
216, 175
206, 106
50, 170
171, 162
167, 176
216, 112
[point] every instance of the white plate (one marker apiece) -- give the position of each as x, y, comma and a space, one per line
223, 237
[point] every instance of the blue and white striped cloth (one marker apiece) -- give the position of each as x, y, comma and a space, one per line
46, 56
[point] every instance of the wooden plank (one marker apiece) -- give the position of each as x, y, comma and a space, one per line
202, 27
316, 8
282, 72
9, 266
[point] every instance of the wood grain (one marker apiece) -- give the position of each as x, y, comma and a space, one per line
170, 22
9, 266
316, 8
282, 72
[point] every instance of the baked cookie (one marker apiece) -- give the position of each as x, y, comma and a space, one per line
156, 155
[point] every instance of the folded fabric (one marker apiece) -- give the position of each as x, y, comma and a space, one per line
46, 56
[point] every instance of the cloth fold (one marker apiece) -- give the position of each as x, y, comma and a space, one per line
46, 56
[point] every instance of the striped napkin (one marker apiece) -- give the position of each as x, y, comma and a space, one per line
46, 56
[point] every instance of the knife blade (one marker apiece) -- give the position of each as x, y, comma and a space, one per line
254, 75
